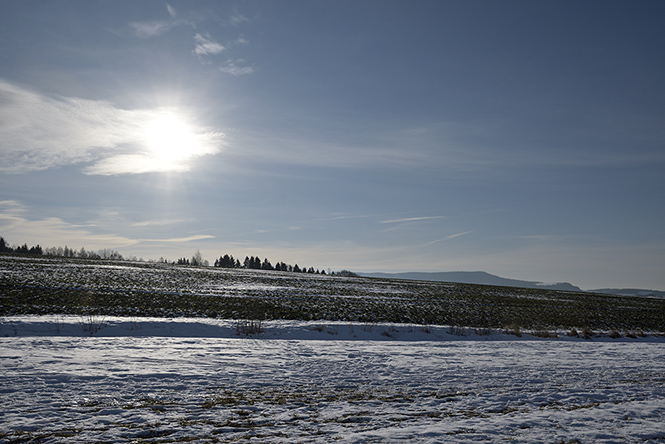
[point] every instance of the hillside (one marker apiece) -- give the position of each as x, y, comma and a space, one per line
474, 277
40, 285
631, 292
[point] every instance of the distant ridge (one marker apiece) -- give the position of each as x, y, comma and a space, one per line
473, 277
631, 292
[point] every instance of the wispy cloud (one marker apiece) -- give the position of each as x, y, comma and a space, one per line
368, 150
53, 231
452, 236
410, 219
204, 45
160, 222
180, 239
456, 148
39, 132
15, 226
347, 216
11, 207
207, 46
152, 28
234, 67
237, 19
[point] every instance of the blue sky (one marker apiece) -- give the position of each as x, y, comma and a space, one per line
521, 138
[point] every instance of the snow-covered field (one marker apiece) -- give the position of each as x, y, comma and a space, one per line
90, 379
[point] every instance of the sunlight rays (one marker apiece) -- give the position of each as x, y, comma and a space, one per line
163, 140
170, 139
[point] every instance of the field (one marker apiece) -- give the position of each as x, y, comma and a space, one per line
149, 353
60, 286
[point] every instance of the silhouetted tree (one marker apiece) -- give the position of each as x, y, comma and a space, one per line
225, 261
197, 259
266, 265
4, 246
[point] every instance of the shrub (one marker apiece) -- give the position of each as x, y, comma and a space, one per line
485, 331
513, 329
249, 327
457, 331
587, 333
92, 323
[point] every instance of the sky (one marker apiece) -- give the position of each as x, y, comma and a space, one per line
521, 138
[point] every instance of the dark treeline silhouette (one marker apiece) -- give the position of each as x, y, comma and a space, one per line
225, 261
255, 263
23, 249
104, 254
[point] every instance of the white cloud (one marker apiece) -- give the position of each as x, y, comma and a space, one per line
160, 222
53, 232
171, 9
132, 164
237, 19
17, 228
410, 219
151, 28
207, 46
452, 236
232, 68
39, 132
176, 240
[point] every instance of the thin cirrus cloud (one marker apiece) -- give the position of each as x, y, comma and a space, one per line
204, 45
452, 236
38, 132
55, 231
410, 219
207, 46
234, 67
152, 28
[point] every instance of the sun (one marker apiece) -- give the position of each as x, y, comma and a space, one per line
170, 139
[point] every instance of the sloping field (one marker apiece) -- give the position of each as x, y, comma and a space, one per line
40, 285
321, 367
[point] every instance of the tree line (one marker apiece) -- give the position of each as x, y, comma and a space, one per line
37, 250
23, 249
225, 261
255, 263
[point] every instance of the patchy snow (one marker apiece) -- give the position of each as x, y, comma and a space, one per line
84, 379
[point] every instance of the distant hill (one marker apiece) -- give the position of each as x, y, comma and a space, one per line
473, 277
631, 292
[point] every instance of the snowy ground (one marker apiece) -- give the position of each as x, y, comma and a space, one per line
76, 379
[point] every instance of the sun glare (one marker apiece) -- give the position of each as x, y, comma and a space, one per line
170, 139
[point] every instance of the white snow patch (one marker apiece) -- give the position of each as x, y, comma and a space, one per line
180, 380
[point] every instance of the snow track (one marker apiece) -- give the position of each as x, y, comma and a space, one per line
215, 389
